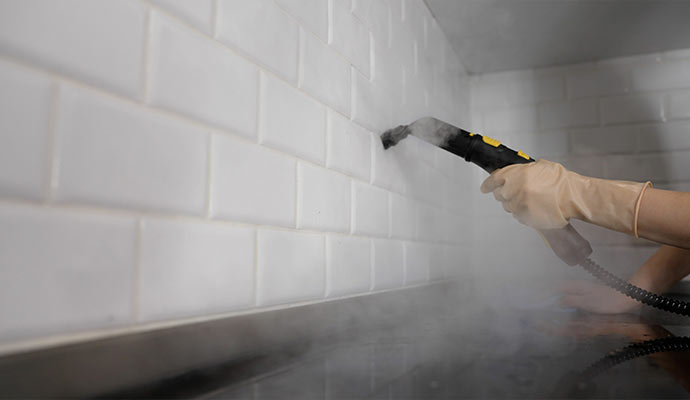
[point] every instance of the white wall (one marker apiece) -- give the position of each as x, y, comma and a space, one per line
623, 118
162, 161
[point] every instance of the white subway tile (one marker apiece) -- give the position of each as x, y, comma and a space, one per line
291, 267
25, 106
323, 200
568, 114
458, 262
386, 166
631, 61
63, 271
585, 165
672, 75
360, 8
543, 144
349, 265
369, 210
222, 90
100, 42
430, 223
670, 136
638, 167
597, 82
251, 183
370, 107
417, 259
312, 14
681, 54
388, 264
349, 36
510, 119
198, 13
638, 108
349, 147
606, 140
403, 217
189, 268
260, 29
679, 105
324, 73
291, 121
503, 89
114, 153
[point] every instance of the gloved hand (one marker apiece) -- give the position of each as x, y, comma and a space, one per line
545, 195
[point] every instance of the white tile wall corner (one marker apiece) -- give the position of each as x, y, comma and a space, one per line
25, 108
312, 14
262, 31
114, 153
636, 108
348, 147
198, 13
349, 265
190, 268
69, 38
323, 199
349, 36
195, 76
324, 73
388, 264
195, 119
291, 121
291, 267
251, 183
63, 271
370, 210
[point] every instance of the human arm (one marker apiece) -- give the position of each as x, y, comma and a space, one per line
658, 274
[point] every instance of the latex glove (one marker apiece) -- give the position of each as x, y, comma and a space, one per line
545, 195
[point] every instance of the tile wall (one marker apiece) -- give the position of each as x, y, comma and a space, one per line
164, 161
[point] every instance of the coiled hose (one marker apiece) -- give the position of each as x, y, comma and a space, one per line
639, 294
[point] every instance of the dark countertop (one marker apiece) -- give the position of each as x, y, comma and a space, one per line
522, 354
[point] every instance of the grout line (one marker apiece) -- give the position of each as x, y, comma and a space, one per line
134, 214
52, 151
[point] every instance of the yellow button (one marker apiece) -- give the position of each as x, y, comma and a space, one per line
471, 134
491, 141
523, 155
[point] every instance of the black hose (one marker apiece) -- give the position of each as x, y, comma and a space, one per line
639, 294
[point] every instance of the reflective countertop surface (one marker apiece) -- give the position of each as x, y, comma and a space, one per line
519, 354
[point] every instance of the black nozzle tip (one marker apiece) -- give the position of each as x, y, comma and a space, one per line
393, 136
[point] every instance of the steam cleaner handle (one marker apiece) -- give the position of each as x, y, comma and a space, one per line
490, 155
